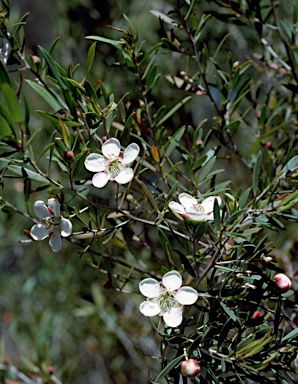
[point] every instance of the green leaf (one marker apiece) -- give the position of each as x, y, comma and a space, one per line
173, 110
31, 174
291, 334
216, 212
228, 311
149, 196
133, 29
90, 58
53, 67
243, 199
12, 103
168, 369
115, 43
174, 141
4, 77
53, 103
164, 18
256, 173
5, 129
206, 169
291, 164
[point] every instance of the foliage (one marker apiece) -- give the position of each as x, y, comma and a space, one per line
221, 123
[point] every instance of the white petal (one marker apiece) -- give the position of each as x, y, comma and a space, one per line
111, 148
199, 216
125, 176
66, 227
39, 232
176, 207
172, 280
99, 180
149, 287
54, 206
208, 205
148, 308
187, 201
40, 209
55, 241
186, 296
131, 153
95, 162
173, 317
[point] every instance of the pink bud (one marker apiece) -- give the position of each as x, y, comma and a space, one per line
267, 259
282, 281
68, 156
190, 368
36, 59
268, 144
104, 139
257, 317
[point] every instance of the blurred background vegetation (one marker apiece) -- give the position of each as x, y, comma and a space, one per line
56, 311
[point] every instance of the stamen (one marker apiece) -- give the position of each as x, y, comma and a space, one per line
52, 222
114, 167
166, 301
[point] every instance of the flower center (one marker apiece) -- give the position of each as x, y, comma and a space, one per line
198, 208
52, 222
166, 301
114, 167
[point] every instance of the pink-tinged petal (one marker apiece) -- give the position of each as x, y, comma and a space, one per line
172, 280
54, 207
131, 153
41, 210
66, 227
208, 205
176, 207
149, 308
125, 176
149, 287
95, 162
111, 148
39, 232
187, 201
55, 241
99, 180
196, 216
173, 317
186, 295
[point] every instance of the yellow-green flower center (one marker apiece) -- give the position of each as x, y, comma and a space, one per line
166, 301
114, 167
52, 222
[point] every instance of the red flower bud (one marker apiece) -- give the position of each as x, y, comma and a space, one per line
257, 317
104, 139
190, 368
68, 156
282, 281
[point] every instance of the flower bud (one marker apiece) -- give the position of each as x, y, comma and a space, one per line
68, 156
190, 368
257, 317
104, 139
267, 259
282, 281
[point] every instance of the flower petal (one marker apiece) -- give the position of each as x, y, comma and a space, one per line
100, 179
55, 241
149, 308
54, 206
208, 205
39, 232
173, 317
187, 201
186, 295
149, 287
172, 280
111, 148
40, 209
176, 207
95, 162
125, 176
131, 153
66, 227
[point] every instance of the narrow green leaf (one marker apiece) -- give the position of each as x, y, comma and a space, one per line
243, 199
174, 141
291, 164
206, 169
216, 212
228, 311
90, 58
12, 103
53, 103
149, 196
293, 333
115, 43
5, 129
53, 67
168, 369
173, 110
256, 173
164, 18
31, 174
133, 29
4, 77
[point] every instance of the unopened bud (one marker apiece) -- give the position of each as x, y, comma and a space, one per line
190, 368
282, 281
236, 64
107, 284
36, 59
268, 144
104, 139
68, 156
257, 317
267, 259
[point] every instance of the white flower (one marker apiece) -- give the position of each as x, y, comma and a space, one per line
166, 299
113, 164
53, 224
190, 209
